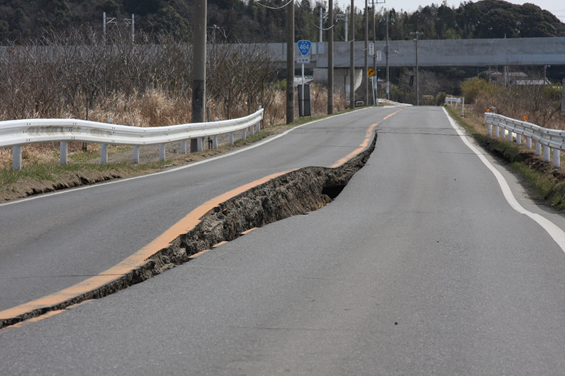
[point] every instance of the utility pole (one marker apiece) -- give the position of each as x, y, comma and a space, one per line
132, 23
352, 58
290, 63
331, 58
199, 69
106, 21
375, 56
346, 23
386, 53
366, 67
417, 33
563, 97
376, 86
321, 19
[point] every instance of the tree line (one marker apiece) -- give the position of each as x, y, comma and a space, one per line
66, 73
264, 20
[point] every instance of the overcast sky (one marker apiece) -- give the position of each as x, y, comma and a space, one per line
557, 7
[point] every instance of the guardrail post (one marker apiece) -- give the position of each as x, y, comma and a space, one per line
183, 147
496, 131
490, 129
546, 153
556, 158
518, 139
135, 154
17, 158
538, 148
103, 153
510, 138
63, 152
162, 152
252, 130
133, 140
214, 142
529, 142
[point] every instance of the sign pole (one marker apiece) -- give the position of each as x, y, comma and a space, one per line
373, 88
304, 47
303, 102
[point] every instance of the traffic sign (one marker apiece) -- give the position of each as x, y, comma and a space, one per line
371, 49
304, 47
379, 56
371, 72
302, 60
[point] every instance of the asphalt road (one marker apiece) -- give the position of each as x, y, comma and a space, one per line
55, 241
420, 267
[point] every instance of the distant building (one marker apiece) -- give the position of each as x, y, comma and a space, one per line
517, 79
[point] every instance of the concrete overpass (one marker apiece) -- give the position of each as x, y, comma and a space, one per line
440, 53
432, 53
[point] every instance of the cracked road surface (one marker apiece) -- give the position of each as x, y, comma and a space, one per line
420, 266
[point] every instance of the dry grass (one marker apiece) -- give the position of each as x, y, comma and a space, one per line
156, 108
540, 104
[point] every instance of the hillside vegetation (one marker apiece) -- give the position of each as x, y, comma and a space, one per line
252, 21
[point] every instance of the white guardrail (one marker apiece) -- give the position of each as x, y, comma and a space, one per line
16, 133
450, 101
549, 139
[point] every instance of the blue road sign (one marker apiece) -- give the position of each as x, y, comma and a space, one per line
304, 47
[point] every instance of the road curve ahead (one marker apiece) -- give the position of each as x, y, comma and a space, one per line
419, 267
54, 242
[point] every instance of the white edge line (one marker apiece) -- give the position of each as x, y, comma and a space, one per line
229, 154
552, 229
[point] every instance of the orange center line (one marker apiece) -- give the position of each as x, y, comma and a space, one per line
364, 144
162, 241
135, 260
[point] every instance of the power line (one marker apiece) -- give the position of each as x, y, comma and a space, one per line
273, 8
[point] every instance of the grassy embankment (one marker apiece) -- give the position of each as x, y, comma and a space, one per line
542, 182
42, 173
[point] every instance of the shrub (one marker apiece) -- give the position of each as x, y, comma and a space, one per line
471, 89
